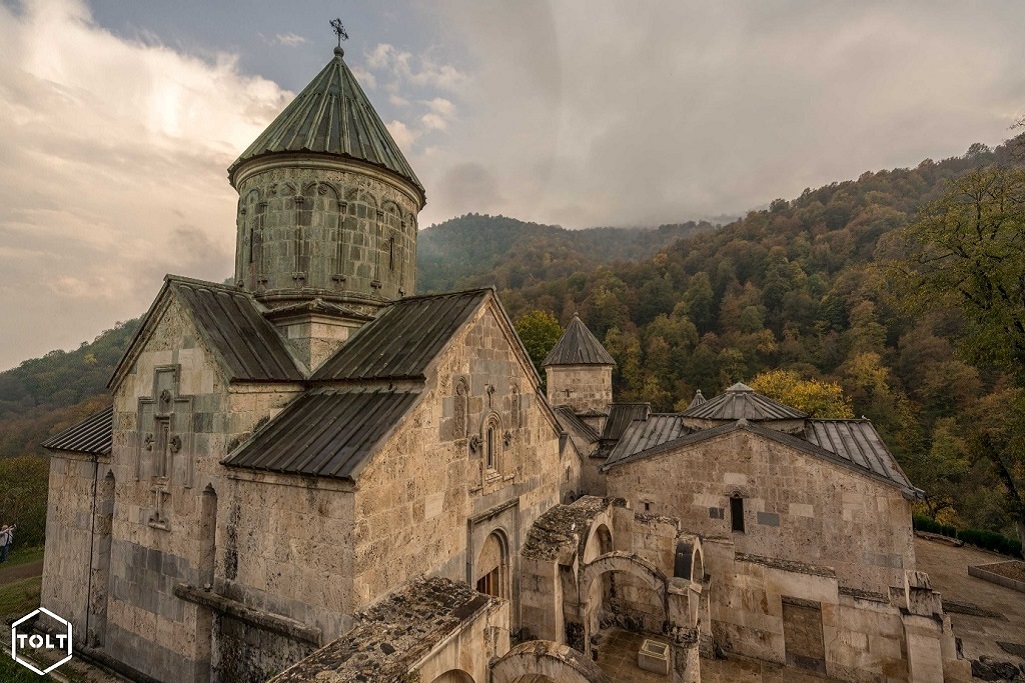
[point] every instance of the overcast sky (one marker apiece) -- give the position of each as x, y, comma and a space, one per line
118, 119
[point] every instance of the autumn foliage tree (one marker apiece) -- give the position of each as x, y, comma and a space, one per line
817, 398
967, 251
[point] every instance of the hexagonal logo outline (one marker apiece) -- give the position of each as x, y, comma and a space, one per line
14, 641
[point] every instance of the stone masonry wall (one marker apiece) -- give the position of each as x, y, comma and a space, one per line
585, 388
331, 231
796, 506
71, 536
157, 538
429, 482
862, 635
287, 549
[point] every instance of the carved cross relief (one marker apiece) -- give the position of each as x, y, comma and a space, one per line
164, 458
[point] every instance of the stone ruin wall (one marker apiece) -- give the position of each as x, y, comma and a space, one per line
796, 506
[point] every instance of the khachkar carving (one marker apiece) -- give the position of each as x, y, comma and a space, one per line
164, 457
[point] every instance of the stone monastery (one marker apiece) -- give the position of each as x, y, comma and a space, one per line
317, 475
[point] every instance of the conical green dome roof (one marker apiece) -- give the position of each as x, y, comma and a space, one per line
577, 346
332, 115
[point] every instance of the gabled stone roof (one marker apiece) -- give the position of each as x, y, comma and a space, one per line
741, 402
570, 419
577, 346
233, 327
880, 466
333, 116
94, 435
325, 433
404, 338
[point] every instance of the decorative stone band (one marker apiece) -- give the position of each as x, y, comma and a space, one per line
265, 620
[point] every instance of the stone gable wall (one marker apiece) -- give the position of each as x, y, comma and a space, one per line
796, 506
426, 503
148, 559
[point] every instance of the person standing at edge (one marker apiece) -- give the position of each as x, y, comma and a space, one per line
5, 539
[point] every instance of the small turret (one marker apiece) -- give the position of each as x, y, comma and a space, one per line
579, 372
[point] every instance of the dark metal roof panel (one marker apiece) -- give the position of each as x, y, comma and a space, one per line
577, 346
858, 442
404, 338
324, 433
332, 115
93, 435
620, 417
250, 345
742, 402
568, 418
644, 434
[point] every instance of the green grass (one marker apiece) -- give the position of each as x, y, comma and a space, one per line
23, 556
20, 597
12, 672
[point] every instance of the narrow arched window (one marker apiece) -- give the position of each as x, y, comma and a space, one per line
737, 513
489, 446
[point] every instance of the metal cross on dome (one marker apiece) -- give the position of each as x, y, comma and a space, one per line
339, 29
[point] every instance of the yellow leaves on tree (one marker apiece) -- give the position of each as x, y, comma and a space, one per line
818, 399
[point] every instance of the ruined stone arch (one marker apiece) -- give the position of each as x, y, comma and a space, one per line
454, 676
618, 561
556, 662
599, 542
492, 568
689, 562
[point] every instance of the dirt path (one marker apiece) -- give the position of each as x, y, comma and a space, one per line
948, 569
22, 571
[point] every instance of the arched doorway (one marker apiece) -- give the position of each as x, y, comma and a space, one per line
492, 567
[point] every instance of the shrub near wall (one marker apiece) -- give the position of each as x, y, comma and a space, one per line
23, 489
987, 540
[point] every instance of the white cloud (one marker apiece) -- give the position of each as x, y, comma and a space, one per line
114, 172
678, 110
289, 39
403, 135
421, 71
366, 79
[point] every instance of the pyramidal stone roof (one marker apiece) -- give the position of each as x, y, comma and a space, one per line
742, 402
577, 346
332, 115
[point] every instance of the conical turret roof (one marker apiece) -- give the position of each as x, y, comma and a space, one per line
577, 346
742, 402
332, 115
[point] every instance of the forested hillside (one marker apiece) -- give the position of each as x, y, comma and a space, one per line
479, 250
803, 285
